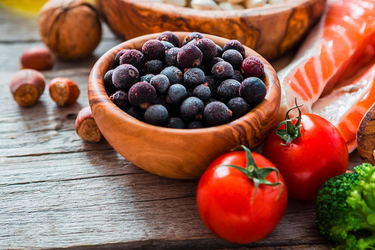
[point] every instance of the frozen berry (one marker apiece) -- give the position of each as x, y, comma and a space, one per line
192, 109
213, 62
216, 113
193, 77
160, 83
222, 70
171, 57
192, 36
208, 48
147, 78
157, 115
175, 122
167, 46
219, 51
228, 89
133, 57
176, 93
253, 90
189, 56
153, 67
173, 73
124, 76
233, 57
238, 106
169, 36
119, 98
252, 66
210, 81
202, 91
236, 45
117, 57
153, 49
142, 94
136, 112
195, 124
108, 84
238, 76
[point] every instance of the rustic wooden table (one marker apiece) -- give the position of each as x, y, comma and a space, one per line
58, 191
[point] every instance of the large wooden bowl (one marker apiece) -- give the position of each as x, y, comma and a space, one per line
271, 31
177, 153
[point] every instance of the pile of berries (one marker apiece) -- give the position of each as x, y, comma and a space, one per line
196, 85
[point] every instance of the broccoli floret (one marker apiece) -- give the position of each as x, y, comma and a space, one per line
345, 209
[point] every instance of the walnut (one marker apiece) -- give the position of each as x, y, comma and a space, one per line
71, 29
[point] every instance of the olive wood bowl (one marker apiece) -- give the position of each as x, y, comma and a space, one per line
177, 153
271, 31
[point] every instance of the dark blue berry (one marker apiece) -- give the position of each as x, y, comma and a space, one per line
176, 93
219, 51
233, 57
236, 45
202, 91
216, 113
160, 83
147, 78
192, 36
238, 106
228, 89
253, 90
171, 57
173, 73
153, 49
213, 62
189, 56
124, 76
222, 71
136, 112
119, 98
108, 84
195, 124
192, 109
117, 58
210, 81
153, 67
167, 46
238, 76
157, 115
208, 48
175, 122
193, 77
142, 94
133, 57
169, 36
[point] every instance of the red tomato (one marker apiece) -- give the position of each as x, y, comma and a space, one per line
229, 205
319, 154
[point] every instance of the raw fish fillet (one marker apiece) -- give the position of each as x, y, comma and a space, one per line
333, 74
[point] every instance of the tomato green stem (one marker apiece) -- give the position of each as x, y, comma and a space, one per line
291, 131
257, 175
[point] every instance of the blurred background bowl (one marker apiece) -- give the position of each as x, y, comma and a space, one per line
177, 153
271, 31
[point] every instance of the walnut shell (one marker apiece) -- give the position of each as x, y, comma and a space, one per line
71, 29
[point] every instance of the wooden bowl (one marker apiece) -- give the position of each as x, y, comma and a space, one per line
177, 153
271, 31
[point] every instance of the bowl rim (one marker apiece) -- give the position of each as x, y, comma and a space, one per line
97, 93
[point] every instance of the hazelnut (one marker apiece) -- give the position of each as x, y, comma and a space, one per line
37, 58
27, 86
86, 127
71, 29
63, 91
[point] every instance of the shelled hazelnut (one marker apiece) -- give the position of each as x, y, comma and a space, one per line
27, 86
63, 91
37, 58
86, 127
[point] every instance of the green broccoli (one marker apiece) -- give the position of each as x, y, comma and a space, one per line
345, 209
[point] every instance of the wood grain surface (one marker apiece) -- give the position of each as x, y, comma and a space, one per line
366, 137
60, 192
271, 31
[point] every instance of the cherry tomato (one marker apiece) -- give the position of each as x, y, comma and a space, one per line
232, 206
306, 162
